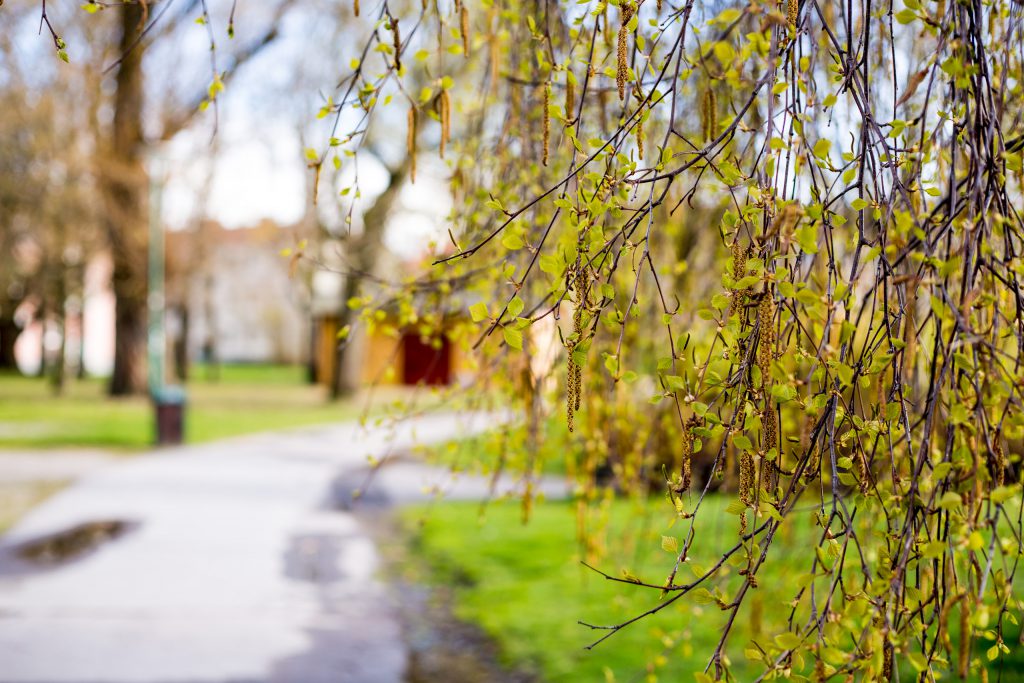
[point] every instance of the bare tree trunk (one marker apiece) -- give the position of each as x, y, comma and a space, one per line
124, 186
9, 332
41, 314
181, 345
60, 305
362, 251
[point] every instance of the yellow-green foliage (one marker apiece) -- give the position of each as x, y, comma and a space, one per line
804, 292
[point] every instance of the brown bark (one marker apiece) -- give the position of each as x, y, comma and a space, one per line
362, 252
124, 187
9, 332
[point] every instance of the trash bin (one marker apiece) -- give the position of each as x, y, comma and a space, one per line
169, 405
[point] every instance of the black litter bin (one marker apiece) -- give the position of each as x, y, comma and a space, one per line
169, 405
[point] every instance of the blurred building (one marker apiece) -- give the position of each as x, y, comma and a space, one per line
231, 296
387, 352
241, 296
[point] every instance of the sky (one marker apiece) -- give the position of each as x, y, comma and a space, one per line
254, 169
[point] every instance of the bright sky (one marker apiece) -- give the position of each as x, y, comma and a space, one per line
255, 169
253, 173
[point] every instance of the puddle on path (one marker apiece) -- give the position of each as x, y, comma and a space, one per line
73, 543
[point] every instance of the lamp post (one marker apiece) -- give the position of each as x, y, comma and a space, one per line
156, 345
168, 401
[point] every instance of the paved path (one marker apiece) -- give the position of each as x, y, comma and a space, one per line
237, 565
24, 466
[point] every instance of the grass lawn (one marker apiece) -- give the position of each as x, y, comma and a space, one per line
244, 399
525, 586
481, 454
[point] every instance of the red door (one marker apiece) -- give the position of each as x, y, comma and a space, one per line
422, 363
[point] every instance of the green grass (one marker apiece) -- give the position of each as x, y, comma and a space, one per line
525, 586
244, 399
482, 453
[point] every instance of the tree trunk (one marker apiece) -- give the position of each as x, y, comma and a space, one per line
362, 250
181, 346
124, 187
9, 332
61, 321
312, 366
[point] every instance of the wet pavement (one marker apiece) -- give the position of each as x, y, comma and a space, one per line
235, 562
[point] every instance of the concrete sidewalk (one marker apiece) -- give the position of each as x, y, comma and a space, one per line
24, 466
236, 565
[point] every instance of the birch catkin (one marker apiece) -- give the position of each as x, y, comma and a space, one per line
640, 136
444, 104
570, 95
546, 123
410, 143
766, 347
769, 426
792, 12
622, 70
355, 7
574, 380
739, 269
747, 484
709, 114
464, 27
398, 44
686, 459
965, 637
493, 47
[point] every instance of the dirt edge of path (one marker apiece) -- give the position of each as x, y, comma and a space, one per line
441, 646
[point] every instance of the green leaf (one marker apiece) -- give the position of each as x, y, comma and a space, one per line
845, 373
788, 640
1001, 494
905, 16
515, 307
513, 338
727, 16
950, 500
512, 241
879, 363
807, 238
746, 282
782, 393
675, 383
822, 148
478, 312
670, 544
918, 661
736, 507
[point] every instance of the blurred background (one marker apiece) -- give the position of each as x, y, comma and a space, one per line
138, 199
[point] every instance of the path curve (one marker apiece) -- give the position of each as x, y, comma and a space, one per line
235, 566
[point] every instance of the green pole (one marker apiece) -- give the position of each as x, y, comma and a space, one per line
156, 346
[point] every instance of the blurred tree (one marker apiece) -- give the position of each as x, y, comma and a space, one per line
124, 178
47, 226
